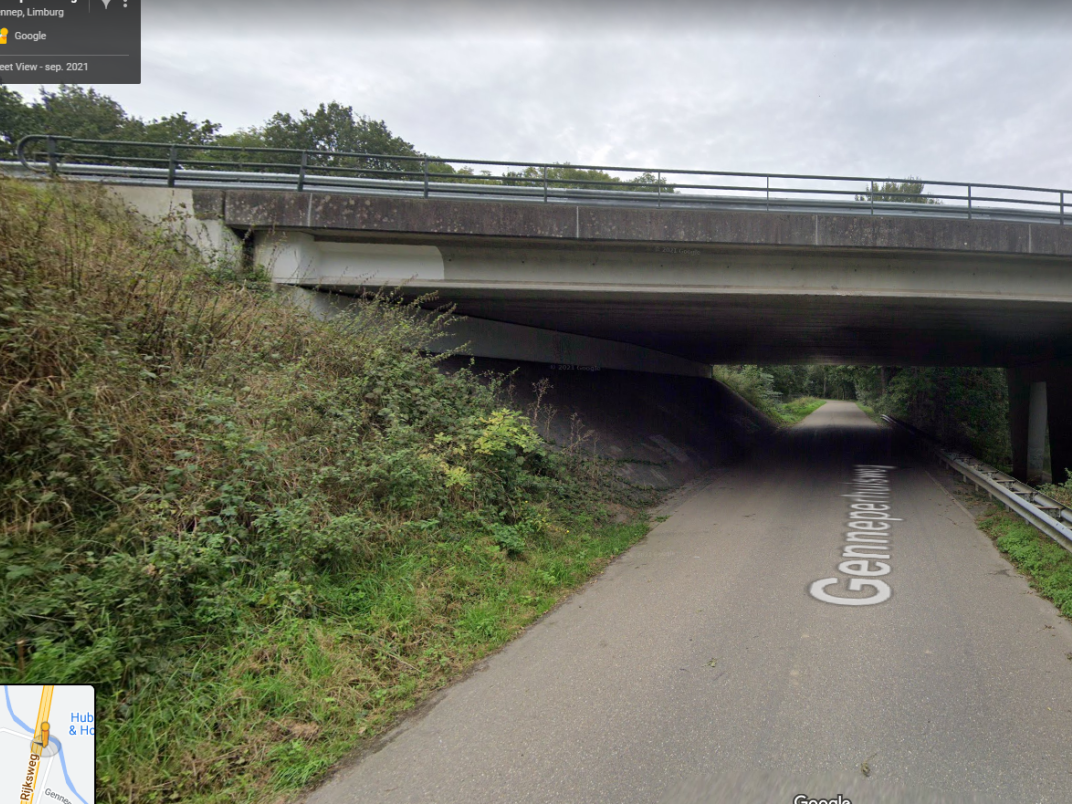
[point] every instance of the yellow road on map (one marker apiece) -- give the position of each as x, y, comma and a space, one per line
37, 747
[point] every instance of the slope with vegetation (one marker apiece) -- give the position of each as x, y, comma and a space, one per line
260, 535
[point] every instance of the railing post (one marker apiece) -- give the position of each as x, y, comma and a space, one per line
768, 193
301, 170
545, 184
53, 160
1062, 207
173, 156
872, 196
969, 203
659, 189
425, 167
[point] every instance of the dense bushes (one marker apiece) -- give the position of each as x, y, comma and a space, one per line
965, 408
197, 480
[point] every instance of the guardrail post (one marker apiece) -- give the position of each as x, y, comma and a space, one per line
301, 170
659, 189
768, 193
871, 195
545, 184
53, 158
969, 203
425, 163
173, 155
1062, 208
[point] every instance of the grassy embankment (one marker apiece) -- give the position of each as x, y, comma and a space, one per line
749, 383
261, 536
795, 410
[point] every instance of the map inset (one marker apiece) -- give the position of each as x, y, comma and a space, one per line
47, 743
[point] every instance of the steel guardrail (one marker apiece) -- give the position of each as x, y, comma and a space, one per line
180, 164
1043, 512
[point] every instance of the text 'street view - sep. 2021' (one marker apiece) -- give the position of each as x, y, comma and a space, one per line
70, 41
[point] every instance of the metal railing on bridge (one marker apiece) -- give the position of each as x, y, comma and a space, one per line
177, 164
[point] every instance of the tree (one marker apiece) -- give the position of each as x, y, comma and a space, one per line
965, 408
178, 128
15, 121
72, 111
833, 382
909, 191
334, 127
564, 175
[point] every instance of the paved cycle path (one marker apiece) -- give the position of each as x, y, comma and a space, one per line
705, 664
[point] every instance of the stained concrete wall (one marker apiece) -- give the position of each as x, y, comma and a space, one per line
197, 214
346, 212
660, 430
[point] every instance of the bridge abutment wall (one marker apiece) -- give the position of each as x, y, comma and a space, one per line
196, 214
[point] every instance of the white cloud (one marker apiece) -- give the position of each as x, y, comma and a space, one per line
937, 90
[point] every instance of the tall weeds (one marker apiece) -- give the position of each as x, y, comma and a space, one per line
188, 465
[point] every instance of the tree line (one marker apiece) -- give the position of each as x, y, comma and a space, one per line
74, 111
965, 408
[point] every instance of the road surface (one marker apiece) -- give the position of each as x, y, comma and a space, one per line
701, 666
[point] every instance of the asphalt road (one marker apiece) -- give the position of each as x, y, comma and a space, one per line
699, 666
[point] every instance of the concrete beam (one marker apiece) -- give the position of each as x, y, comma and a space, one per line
560, 221
297, 258
720, 306
495, 339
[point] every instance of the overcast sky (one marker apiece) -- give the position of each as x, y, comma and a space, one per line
943, 90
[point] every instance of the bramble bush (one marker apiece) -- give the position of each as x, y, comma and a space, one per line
189, 464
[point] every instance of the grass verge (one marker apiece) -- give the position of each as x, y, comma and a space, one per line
1047, 565
260, 535
752, 385
797, 409
268, 714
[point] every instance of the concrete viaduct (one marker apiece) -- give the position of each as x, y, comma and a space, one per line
674, 290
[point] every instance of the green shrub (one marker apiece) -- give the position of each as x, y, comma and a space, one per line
224, 512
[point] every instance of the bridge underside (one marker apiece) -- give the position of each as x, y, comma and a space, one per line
782, 328
675, 290
719, 304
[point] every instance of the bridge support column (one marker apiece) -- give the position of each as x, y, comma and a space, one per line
1036, 432
1019, 415
1040, 397
1027, 425
1059, 407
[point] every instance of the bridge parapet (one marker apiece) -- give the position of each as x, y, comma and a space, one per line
176, 164
454, 218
